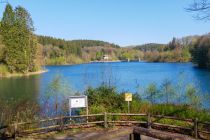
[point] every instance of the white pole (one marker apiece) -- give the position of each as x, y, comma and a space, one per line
87, 111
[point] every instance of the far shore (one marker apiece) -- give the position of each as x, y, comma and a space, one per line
23, 74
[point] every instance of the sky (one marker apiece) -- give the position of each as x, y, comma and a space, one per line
123, 22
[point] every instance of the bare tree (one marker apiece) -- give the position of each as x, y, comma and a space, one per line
201, 8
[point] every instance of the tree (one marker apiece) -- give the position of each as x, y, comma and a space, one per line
152, 93
20, 43
201, 8
168, 91
201, 51
193, 98
55, 99
7, 32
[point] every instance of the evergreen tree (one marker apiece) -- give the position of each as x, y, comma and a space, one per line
7, 32
201, 51
21, 46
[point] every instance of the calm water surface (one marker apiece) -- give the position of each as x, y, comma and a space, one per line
125, 76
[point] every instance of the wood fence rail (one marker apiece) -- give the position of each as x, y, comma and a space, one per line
195, 128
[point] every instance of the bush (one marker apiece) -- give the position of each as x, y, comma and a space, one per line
3, 70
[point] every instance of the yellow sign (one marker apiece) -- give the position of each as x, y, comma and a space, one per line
128, 97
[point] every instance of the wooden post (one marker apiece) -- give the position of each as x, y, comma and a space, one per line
148, 121
61, 123
196, 128
105, 120
15, 131
135, 136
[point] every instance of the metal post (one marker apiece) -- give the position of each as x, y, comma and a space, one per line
128, 107
105, 120
196, 128
87, 111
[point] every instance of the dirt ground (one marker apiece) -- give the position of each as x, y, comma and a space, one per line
87, 134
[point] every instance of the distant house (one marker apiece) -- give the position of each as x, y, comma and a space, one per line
106, 57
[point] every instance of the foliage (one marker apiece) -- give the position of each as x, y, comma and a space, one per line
178, 50
61, 43
151, 93
113, 101
201, 52
20, 51
55, 102
58, 51
193, 98
17, 111
3, 70
168, 91
105, 96
151, 47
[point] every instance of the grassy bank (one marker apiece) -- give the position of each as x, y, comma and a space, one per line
4, 72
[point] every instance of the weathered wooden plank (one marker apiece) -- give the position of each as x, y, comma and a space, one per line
136, 122
125, 114
173, 126
173, 118
159, 134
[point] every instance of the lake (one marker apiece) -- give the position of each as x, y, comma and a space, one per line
126, 76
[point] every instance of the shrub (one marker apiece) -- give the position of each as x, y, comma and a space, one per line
3, 70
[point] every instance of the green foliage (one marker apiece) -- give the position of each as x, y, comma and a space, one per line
17, 36
193, 97
151, 47
201, 52
81, 51
55, 98
3, 70
152, 93
168, 91
2, 51
105, 96
61, 43
106, 99
56, 61
178, 50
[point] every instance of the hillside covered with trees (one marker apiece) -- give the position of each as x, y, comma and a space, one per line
58, 51
177, 50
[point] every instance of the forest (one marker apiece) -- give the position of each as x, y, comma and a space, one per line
22, 51
59, 52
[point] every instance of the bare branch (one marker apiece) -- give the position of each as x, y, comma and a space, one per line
201, 8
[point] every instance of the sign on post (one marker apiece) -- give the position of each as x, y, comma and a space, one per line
78, 102
128, 98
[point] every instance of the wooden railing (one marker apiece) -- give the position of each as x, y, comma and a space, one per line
195, 128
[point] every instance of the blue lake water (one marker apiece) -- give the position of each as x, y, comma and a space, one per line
126, 76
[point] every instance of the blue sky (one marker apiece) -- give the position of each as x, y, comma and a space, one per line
124, 22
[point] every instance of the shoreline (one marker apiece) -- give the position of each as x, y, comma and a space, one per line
22, 74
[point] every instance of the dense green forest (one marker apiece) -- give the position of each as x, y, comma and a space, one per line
21, 51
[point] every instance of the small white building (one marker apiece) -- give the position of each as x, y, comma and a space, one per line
106, 57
